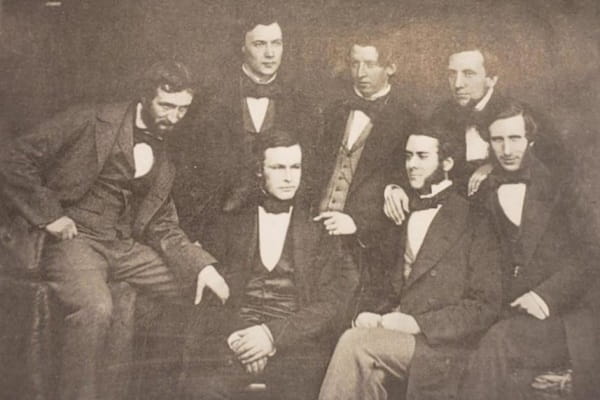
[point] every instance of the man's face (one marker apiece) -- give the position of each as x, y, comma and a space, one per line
368, 75
165, 110
467, 76
262, 49
509, 143
282, 170
423, 165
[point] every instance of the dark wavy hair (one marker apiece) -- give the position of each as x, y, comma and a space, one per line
169, 75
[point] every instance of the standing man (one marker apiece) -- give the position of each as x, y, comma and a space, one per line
290, 284
363, 134
550, 273
97, 180
445, 291
473, 75
250, 100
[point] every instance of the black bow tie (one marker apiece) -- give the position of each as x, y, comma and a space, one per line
502, 177
371, 108
418, 203
145, 136
273, 205
255, 90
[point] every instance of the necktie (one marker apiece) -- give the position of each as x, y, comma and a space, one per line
371, 108
418, 203
273, 205
251, 89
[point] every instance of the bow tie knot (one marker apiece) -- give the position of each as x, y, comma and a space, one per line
255, 90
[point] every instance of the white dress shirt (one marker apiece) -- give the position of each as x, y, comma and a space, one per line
358, 120
420, 221
476, 147
272, 231
511, 197
143, 156
257, 106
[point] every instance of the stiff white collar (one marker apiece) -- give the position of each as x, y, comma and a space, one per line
374, 96
255, 78
437, 188
139, 122
484, 100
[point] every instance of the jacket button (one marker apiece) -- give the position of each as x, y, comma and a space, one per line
433, 273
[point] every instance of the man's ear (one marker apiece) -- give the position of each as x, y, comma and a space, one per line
448, 164
390, 69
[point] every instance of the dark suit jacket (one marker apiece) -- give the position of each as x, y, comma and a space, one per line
209, 150
560, 244
325, 276
56, 163
381, 159
548, 147
453, 292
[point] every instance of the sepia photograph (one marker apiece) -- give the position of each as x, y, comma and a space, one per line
299, 200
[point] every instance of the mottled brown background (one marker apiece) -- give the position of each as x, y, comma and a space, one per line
86, 50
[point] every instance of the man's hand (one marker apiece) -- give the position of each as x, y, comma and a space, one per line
257, 367
63, 228
401, 322
367, 320
396, 204
337, 223
251, 344
211, 278
533, 304
478, 176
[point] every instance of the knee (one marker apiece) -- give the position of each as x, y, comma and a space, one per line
352, 341
94, 309
496, 337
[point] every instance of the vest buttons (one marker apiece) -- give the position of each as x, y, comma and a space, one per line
516, 271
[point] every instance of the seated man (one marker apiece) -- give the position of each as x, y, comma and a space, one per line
445, 291
548, 318
97, 180
290, 284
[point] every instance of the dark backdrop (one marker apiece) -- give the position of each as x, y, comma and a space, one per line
56, 53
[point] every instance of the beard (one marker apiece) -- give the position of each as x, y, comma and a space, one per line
436, 177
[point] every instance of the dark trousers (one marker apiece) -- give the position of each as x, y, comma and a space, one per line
78, 271
510, 355
213, 372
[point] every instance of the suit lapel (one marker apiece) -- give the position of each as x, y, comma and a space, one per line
119, 122
158, 193
305, 239
537, 209
444, 230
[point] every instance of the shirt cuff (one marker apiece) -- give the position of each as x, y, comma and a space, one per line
541, 303
270, 335
208, 275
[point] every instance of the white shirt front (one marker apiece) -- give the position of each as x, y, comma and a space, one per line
143, 156
512, 197
257, 106
272, 231
358, 120
258, 110
476, 147
420, 221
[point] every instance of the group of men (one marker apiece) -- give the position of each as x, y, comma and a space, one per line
457, 251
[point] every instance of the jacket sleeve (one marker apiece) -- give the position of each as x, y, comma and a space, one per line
23, 163
578, 248
335, 287
482, 298
165, 236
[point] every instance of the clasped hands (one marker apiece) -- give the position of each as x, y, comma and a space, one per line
252, 346
396, 321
